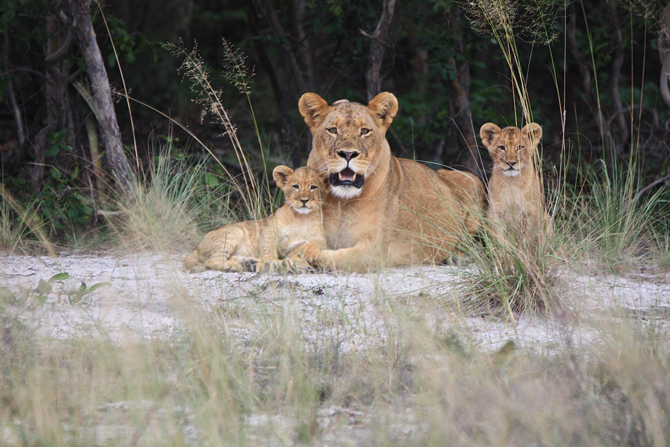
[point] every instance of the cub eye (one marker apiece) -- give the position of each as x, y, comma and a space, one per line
332, 130
365, 131
520, 148
296, 186
313, 187
502, 148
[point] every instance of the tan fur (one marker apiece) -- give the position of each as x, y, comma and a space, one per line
516, 198
289, 233
402, 212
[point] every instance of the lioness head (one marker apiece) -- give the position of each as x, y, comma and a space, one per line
303, 188
511, 148
348, 138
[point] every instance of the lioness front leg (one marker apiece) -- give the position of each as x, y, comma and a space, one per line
360, 258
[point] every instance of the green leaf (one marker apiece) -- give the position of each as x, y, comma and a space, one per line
59, 277
55, 174
43, 287
98, 285
6, 295
75, 172
211, 179
52, 151
8, 16
40, 299
111, 60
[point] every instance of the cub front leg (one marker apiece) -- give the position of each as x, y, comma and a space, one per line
268, 240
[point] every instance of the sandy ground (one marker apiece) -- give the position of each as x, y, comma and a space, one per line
139, 299
143, 296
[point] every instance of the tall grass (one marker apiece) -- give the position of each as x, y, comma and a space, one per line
609, 227
165, 209
21, 229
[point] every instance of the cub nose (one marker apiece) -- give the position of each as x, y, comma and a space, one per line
348, 155
511, 163
304, 201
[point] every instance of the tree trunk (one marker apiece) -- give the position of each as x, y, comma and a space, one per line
280, 97
303, 50
617, 63
664, 53
59, 110
460, 98
109, 128
587, 81
377, 49
271, 15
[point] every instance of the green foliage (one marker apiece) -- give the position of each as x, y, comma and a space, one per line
40, 293
128, 46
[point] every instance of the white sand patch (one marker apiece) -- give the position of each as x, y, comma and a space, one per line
139, 300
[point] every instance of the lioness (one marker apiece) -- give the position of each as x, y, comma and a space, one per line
297, 223
516, 199
381, 210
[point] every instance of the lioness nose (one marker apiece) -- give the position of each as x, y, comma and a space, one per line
348, 155
304, 201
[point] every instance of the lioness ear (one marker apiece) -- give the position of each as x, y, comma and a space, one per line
384, 106
313, 108
281, 174
489, 132
533, 132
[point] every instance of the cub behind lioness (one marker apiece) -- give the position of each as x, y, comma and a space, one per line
293, 232
516, 198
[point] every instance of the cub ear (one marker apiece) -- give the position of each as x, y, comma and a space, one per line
533, 132
313, 108
281, 174
384, 107
488, 133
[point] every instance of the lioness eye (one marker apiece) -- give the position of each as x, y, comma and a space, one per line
332, 130
502, 148
296, 186
365, 131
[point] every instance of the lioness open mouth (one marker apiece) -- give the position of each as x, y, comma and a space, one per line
347, 177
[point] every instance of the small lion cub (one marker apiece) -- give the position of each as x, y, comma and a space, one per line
516, 198
294, 232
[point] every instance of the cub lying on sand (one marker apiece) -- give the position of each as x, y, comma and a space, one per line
516, 199
295, 230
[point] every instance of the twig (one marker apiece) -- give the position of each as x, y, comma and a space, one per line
641, 192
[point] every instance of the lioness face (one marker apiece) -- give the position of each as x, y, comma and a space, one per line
348, 138
303, 188
511, 148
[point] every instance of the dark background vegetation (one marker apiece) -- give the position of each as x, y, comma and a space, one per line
592, 70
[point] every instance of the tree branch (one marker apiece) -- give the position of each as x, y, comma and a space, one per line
377, 48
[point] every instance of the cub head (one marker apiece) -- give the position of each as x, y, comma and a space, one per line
349, 139
303, 188
511, 148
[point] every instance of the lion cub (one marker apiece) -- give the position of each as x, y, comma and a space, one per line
516, 199
296, 224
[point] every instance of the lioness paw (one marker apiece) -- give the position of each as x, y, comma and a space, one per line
308, 251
